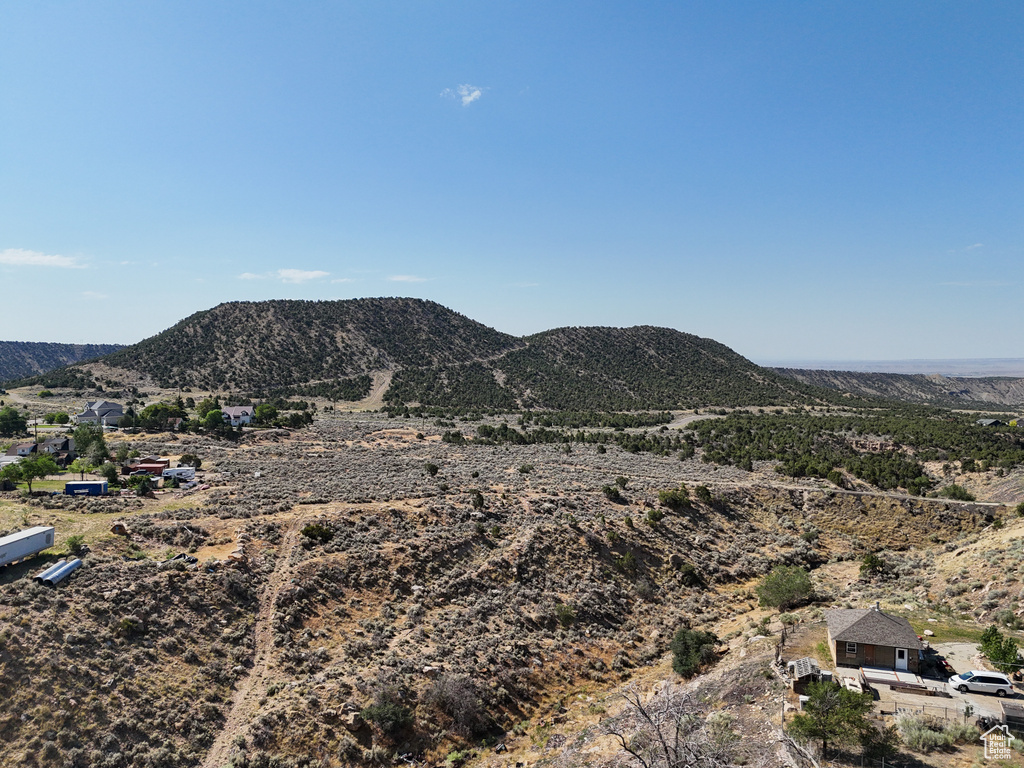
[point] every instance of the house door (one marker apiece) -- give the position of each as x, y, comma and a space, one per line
901, 659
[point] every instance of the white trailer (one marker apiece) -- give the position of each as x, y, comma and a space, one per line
182, 473
23, 544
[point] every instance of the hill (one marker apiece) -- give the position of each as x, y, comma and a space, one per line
932, 389
19, 359
435, 356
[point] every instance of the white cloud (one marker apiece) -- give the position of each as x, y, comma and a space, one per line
343, 280
972, 247
407, 279
466, 93
287, 275
18, 257
300, 275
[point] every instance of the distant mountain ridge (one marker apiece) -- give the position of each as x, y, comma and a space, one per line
19, 359
930, 389
435, 356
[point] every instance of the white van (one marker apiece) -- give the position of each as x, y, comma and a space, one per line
181, 473
982, 681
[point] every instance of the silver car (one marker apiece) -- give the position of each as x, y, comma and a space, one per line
982, 681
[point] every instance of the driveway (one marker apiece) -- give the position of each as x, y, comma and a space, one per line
964, 657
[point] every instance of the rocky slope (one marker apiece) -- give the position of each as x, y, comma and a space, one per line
19, 359
932, 389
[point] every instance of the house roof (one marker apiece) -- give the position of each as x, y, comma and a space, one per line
15, 449
871, 626
234, 411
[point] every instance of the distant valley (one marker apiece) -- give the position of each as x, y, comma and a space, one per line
19, 359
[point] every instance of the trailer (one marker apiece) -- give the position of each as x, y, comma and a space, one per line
85, 488
25, 544
181, 473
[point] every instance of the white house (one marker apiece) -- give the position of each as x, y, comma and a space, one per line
102, 412
237, 415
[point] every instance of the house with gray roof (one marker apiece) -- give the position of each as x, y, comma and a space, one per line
869, 637
102, 412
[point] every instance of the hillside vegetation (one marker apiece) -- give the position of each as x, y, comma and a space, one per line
930, 389
19, 359
332, 349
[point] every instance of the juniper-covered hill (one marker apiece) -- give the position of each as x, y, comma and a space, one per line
435, 356
29, 358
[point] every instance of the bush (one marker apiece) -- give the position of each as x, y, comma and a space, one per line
76, 544
388, 716
675, 499
565, 614
956, 492
318, 532
692, 650
785, 587
458, 698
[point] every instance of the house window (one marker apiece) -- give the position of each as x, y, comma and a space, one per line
851, 649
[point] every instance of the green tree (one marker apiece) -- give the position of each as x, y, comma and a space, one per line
206, 405
81, 466
12, 422
12, 473
37, 466
87, 435
214, 420
109, 473
692, 650
785, 587
265, 413
1001, 651
833, 715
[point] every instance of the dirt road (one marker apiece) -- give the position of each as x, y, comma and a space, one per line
253, 686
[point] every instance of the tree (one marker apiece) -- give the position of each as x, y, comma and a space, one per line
1001, 651
109, 473
834, 715
785, 587
265, 413
12, 473
214, 420
37, 466
81, 466
88, 435
206, 405
12, 422
691, 650
190, 460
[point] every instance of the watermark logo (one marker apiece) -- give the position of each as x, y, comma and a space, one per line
997, 742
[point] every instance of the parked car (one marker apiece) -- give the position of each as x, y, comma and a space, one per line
982, 682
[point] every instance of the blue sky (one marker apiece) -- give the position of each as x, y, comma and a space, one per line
797, 180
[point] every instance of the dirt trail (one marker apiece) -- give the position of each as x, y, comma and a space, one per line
252, 687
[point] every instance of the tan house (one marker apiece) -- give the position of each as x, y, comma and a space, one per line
868, 637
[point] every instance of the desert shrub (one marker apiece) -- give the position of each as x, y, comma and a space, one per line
190, 460
431, 468
565, 614
389, 716
76, 544
957, 492
654, 516
871, 564
704, 494
923, 734
611, 493
318, 532
674, 498
692, 650
458, 698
